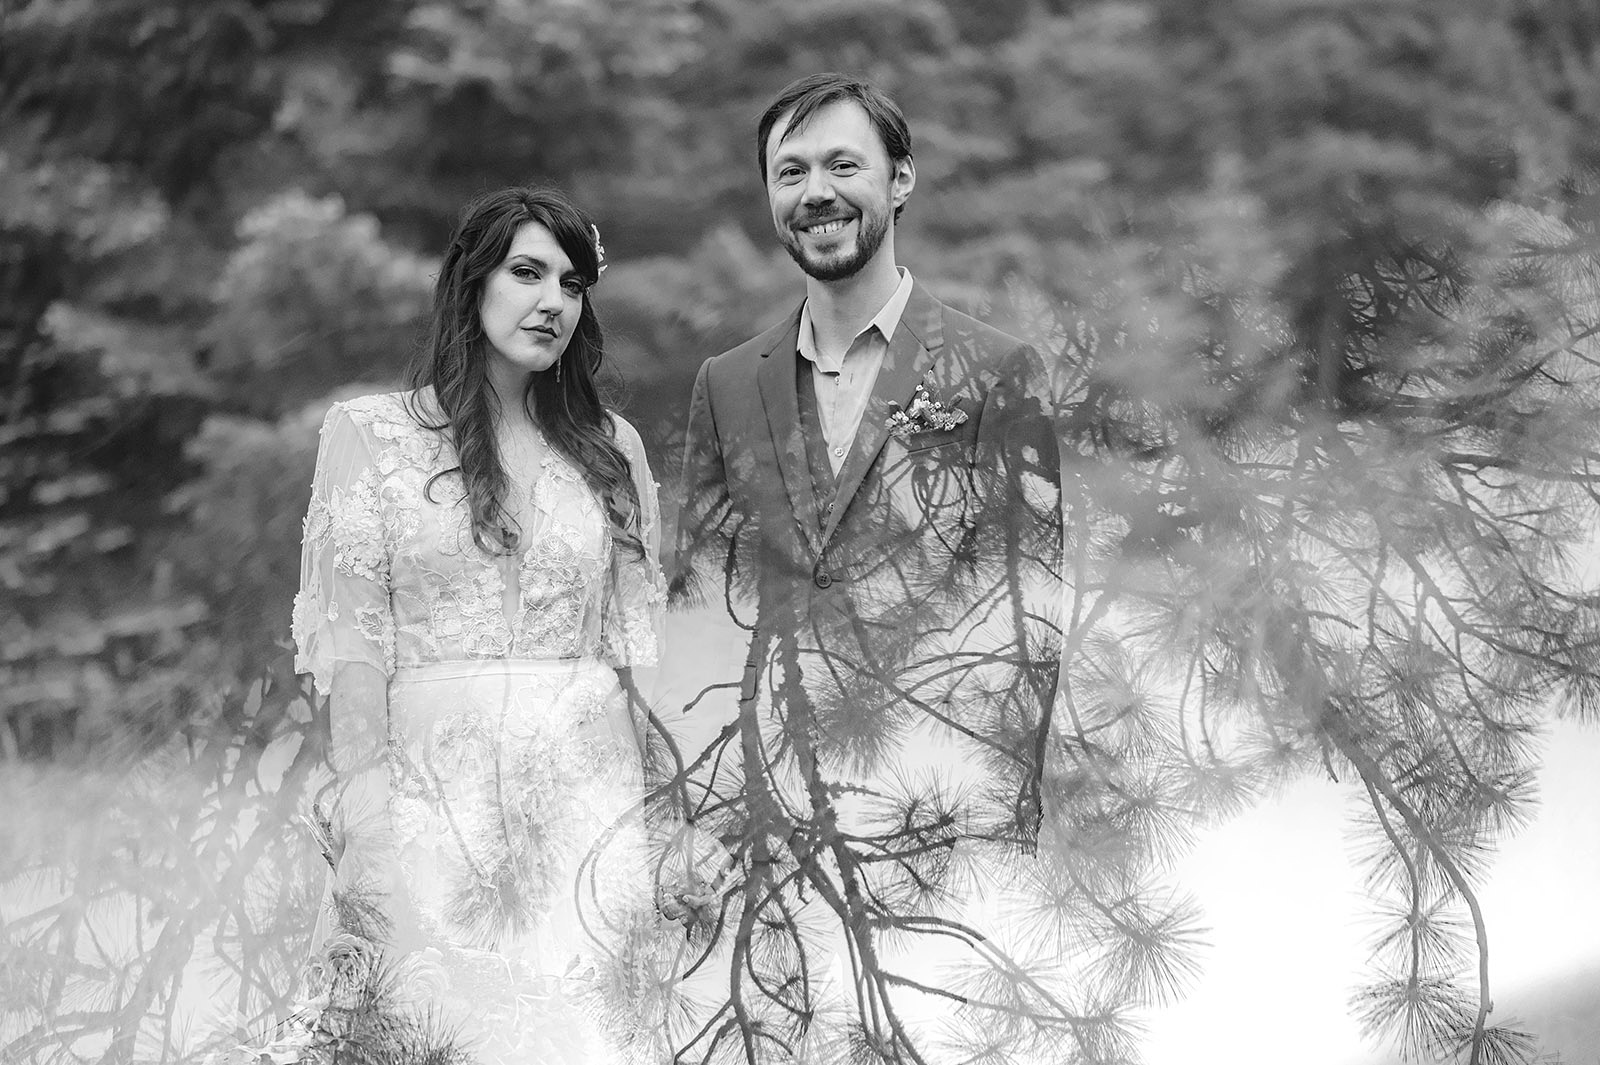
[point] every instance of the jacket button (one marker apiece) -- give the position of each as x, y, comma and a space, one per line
823, 579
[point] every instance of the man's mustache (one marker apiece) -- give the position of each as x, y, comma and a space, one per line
812, 218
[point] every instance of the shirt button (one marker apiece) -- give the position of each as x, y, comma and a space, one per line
823, 579
838, 452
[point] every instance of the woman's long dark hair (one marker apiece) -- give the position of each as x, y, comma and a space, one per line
567, 409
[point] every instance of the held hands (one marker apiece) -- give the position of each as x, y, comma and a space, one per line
702, 866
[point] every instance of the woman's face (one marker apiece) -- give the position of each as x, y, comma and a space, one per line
530, 305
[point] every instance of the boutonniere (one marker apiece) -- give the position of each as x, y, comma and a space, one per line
924, 414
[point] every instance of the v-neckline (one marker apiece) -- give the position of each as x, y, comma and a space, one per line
509, 567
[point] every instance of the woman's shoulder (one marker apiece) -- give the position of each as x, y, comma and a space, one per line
626, 435
386, 411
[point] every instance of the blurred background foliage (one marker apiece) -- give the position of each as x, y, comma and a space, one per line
216, 217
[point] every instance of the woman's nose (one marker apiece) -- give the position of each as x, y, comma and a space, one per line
550, 298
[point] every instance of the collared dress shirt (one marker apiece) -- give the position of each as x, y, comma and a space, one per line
843, 385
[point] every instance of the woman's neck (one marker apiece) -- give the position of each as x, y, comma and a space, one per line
515, 417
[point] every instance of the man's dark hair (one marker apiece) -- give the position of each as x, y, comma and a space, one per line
807, 95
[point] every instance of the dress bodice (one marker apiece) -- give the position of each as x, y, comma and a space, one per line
391, 575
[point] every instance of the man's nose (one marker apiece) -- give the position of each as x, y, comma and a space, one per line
819, 188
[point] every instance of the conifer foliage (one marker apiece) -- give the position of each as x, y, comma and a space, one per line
1316, 284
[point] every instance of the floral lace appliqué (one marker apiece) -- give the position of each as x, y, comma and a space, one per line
389, 528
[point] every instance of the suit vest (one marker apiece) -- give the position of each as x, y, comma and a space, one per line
824, 484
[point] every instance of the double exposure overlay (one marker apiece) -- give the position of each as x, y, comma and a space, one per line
1240, 433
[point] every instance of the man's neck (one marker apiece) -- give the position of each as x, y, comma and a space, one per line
841, 309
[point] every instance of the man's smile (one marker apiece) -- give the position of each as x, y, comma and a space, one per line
825, 228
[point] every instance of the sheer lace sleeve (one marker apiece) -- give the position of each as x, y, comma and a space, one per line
635, 604
342, 613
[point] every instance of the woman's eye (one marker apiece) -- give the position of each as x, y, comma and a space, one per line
524, 273
572, 286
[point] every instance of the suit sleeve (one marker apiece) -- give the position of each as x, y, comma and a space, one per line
632, 620
1024, 461
703, 538
1026, 495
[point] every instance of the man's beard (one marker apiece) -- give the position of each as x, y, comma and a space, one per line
870, 231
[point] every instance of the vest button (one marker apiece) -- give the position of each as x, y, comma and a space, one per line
823, 579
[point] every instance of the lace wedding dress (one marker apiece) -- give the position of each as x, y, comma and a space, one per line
509, 902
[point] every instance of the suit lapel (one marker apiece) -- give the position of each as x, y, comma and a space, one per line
917, 340
775, 379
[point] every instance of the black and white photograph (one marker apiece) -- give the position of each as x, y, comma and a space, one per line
799, 532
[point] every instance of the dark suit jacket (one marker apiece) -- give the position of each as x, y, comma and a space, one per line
916, 592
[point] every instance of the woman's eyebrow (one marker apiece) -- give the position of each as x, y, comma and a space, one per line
540, 264
531, 260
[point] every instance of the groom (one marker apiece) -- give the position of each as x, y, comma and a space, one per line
872, 492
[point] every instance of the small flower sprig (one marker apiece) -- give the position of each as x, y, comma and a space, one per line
599, 250
924, 413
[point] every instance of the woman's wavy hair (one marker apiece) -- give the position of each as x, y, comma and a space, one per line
567, 408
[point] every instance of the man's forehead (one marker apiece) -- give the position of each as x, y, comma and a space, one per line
846, 119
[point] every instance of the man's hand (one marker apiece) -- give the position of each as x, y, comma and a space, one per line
707, 866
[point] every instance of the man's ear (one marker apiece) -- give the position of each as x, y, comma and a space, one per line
903, 181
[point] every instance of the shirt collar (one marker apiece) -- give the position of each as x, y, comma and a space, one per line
886, 321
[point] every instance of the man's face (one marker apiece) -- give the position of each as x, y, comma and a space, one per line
833, 190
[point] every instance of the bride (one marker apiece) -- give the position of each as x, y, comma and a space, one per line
479, 573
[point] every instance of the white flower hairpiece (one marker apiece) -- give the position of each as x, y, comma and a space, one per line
599, 251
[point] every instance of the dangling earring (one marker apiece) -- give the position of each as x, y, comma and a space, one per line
558, 369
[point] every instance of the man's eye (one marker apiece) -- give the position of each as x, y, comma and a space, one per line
789, 173
845, 168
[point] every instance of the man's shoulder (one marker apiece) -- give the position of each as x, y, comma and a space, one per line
965, 331
763, 342
744, 358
